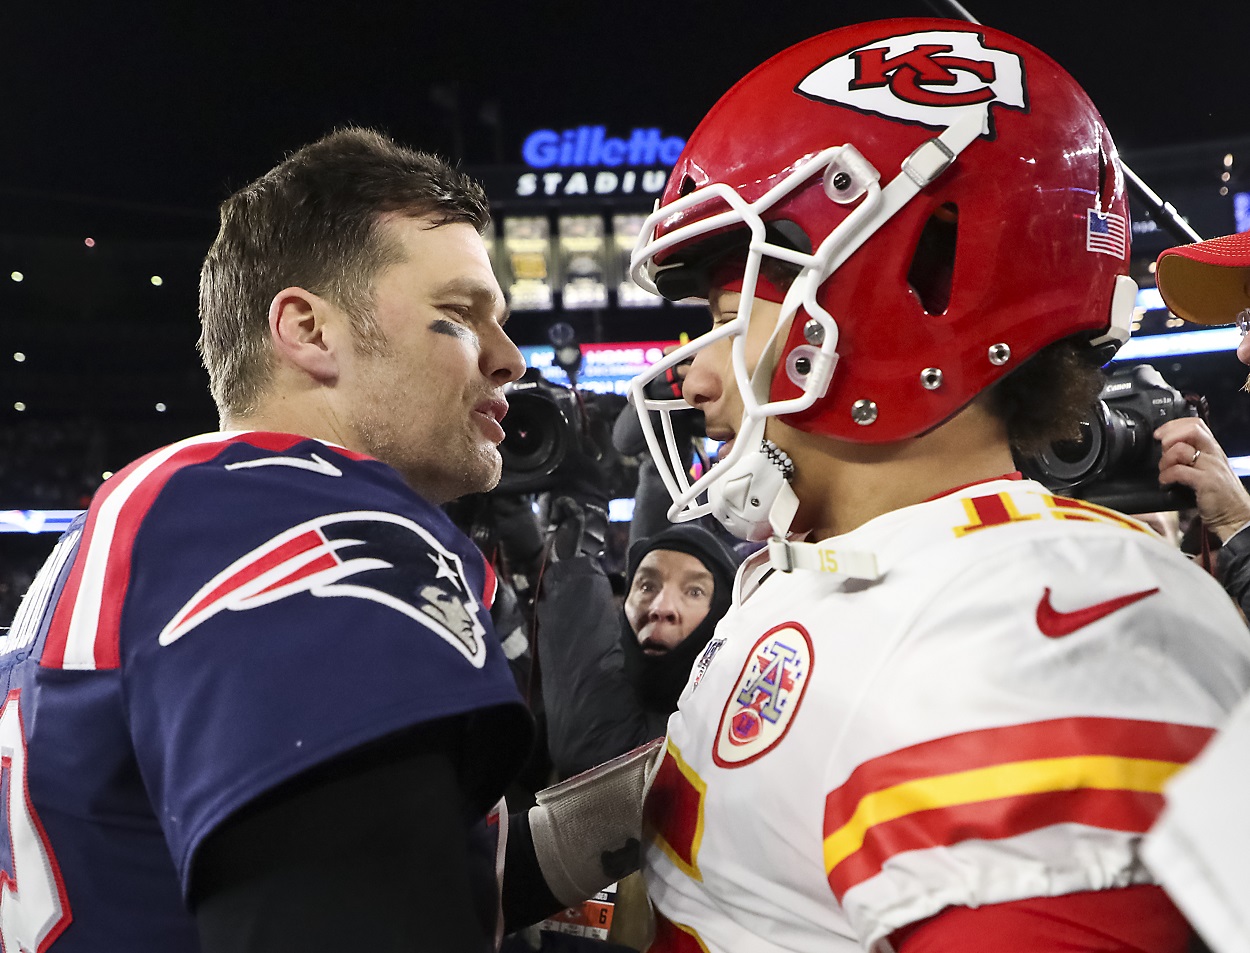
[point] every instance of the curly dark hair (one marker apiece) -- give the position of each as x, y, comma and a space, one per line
1045, 399
312, 222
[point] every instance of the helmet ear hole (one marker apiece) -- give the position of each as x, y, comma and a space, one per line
687, 186
1106, 191
933, 263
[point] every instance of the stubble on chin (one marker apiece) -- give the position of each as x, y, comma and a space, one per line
455, 474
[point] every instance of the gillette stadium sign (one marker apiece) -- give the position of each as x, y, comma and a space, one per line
588, 161
592, 146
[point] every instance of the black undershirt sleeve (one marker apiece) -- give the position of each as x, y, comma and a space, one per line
369, 852
526, 897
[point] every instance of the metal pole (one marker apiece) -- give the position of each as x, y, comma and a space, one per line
1162, 212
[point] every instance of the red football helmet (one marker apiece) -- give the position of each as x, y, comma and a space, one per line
951, 201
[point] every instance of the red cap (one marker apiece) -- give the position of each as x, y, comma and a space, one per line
1207, 282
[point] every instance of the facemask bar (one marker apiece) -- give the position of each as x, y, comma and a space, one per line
878, 205
675, 478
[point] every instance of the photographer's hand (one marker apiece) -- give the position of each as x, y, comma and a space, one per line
577, 527
1192, 457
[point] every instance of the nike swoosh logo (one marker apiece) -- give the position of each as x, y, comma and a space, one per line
316, 464
1055, 624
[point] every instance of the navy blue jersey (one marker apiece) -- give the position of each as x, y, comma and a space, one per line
232, 610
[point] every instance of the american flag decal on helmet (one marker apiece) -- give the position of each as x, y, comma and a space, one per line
1105, 233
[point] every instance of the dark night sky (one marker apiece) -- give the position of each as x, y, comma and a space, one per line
171, 106
134, 121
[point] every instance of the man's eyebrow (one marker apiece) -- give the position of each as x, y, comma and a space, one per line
479, 291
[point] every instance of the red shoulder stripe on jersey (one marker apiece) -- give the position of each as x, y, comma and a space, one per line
85, 628
58, 629
1069, 758
1056, 738
1131, 811
490, 584
1140, 917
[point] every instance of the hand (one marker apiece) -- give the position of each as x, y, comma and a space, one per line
1193, 458
577, 528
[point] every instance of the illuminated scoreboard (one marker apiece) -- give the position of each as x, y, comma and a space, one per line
566, 220
606, 368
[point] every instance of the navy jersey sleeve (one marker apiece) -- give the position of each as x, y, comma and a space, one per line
282, 607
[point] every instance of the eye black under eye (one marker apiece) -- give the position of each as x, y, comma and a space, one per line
450, 328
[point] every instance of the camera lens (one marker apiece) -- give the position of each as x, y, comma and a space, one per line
533, 441
536, 436
1129, 441
1075, 452
1069, 462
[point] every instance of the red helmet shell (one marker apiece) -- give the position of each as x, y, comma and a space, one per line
1041, 212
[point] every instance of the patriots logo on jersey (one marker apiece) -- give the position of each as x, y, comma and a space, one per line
370, 555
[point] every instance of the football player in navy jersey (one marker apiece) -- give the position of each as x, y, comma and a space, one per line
254, 698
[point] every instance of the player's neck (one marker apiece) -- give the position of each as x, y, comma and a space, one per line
308, 414
842, 486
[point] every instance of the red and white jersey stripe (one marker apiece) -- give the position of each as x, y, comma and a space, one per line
84, 631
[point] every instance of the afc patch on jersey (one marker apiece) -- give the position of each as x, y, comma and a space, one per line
928, 78
766, 697
377, 556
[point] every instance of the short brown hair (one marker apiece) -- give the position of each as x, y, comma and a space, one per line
1046, 398
312, 222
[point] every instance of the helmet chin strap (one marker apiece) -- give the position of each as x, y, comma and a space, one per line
753, 500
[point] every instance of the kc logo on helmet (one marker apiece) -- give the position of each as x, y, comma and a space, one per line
927, 78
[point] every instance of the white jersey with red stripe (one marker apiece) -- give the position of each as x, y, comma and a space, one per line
233, 610
990, 719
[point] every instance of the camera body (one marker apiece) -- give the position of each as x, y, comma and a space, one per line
554, 435
1115, 461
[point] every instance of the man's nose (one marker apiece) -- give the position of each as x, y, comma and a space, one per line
500, 358
664, 607
702, 383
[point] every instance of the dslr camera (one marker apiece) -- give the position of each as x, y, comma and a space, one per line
552, 434
1115, 460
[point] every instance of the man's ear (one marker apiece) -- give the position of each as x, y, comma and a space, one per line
304, 334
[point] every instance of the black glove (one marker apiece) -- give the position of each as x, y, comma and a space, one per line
577, 528
520, 538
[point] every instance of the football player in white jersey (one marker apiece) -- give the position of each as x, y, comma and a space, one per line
940, 712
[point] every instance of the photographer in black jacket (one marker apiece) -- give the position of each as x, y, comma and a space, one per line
611, 677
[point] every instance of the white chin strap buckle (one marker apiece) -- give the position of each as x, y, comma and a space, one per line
822, 557
754, 500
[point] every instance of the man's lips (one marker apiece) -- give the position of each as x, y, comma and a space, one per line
653, 647
726, 439
490, 414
